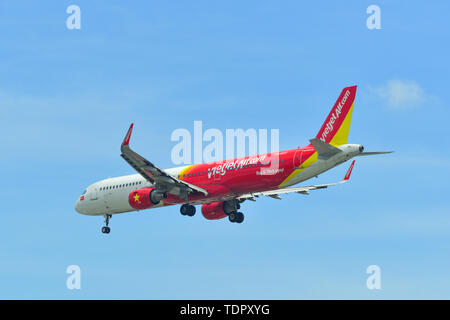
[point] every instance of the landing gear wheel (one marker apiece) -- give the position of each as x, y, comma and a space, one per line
184, 209
106, 229
237, 217
240, 217
191, 211
187, 210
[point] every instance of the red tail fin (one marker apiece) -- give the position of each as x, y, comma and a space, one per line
337, 125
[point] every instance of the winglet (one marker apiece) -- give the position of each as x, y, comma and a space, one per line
349, 171
126, 140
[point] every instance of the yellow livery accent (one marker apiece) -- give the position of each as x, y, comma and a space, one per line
341, 136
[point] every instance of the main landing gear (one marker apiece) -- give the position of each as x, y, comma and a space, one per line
187, 210
231, 208
237, 217
106, 229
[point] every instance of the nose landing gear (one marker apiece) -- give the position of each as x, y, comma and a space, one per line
106, 229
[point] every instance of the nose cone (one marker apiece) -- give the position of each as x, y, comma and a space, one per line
77, 206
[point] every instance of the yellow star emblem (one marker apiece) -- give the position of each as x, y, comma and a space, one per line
136, 198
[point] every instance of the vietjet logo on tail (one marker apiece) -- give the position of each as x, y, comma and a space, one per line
337, 115
334, 117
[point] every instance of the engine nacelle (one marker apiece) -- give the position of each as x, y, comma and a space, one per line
213, 210
145, 198
219, 209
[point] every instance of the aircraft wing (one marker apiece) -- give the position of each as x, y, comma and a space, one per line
303, 190
155, 175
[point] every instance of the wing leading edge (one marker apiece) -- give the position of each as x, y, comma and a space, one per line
154, 174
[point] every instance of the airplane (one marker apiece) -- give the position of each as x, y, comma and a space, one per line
221, 187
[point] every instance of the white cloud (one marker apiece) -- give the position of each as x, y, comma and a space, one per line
401, 94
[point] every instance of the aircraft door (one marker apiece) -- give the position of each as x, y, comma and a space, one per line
107, 199
297, 161
93, 194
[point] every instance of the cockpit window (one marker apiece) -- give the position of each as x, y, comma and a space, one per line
84, 192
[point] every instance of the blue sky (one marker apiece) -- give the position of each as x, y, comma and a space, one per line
67, 98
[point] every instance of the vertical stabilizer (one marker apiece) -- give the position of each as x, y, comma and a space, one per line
337, 125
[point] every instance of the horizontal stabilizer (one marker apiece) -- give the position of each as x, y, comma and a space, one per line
373, 153
325, 150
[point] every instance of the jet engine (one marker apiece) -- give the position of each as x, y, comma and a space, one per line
145, 198
219, 209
